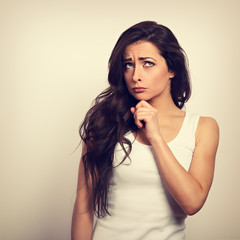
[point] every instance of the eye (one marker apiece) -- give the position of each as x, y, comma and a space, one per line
128, 65
148, 64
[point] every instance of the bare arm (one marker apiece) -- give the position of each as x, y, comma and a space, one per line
82, 218
188, 188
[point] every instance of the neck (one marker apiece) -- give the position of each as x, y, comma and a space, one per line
164, 104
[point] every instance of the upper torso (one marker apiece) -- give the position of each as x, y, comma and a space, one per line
140, 205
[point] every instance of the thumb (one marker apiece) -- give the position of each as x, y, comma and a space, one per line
133, 110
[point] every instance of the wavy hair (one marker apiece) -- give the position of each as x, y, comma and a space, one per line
109, 119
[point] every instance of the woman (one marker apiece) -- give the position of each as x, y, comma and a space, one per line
146, 164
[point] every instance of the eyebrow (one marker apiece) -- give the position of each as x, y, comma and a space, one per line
141, 58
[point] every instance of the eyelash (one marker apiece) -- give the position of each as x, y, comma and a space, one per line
148, 62
126, 65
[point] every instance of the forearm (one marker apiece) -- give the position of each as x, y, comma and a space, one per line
189, 188
184, 188
82, 224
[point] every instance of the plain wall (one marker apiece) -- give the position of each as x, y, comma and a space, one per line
53, 63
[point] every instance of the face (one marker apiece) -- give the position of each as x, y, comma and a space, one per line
145, 71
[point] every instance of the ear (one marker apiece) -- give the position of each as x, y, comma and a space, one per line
171, 74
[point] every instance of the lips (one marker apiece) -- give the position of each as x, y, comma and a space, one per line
139, 89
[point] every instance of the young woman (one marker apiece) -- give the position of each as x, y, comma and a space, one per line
146, 163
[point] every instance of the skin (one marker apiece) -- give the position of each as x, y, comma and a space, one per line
159, 122
82, 218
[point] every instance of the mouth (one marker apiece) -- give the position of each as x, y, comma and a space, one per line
139, 89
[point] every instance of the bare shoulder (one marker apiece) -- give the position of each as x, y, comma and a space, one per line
203, 161
208, 124
207, 130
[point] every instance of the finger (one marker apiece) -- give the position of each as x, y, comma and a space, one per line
144, 117
143, 109
133, 110
142, 112
138, 121
143, 104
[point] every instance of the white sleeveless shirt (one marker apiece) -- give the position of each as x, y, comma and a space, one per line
140, 205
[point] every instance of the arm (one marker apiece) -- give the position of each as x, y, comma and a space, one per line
82, 218
188, 188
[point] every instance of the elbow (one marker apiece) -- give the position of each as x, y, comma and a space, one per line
190, 211
194, 206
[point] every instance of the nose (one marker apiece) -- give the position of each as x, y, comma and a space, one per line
136, 74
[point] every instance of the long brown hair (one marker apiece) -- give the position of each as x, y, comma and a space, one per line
107, 122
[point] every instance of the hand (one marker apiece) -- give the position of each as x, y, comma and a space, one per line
146, 118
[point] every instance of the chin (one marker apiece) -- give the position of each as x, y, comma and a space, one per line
141, 98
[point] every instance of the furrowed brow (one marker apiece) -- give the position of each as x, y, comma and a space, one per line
141, 59
144, 58
127, 60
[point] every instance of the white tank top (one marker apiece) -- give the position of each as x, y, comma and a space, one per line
140, 205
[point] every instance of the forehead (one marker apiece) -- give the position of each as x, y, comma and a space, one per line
141, 49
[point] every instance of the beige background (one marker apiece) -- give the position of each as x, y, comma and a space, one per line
53, 63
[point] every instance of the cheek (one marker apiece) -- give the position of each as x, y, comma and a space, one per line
128, 86
161, 77
126, 79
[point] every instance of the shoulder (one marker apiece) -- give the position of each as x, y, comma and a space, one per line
208, 124
207, 130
